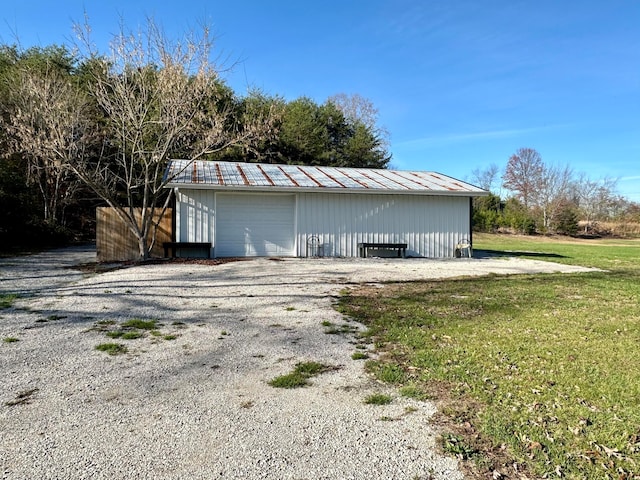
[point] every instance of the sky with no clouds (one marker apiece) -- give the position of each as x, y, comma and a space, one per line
459, 84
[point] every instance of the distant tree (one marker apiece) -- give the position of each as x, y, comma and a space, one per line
356, 108
485, 178
566, 219
364, 149
538, 186
552, 193
303, 137
487, 213
632, 212
524, 174
518, 217
594, 198
44, 115
360, 110
336, 132
264, 113
256, 110
313, 134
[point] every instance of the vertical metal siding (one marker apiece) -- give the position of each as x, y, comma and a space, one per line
430, 225
195, 216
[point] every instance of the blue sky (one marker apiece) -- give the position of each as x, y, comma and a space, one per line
459, 84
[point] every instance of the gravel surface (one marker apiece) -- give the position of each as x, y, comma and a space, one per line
192, 400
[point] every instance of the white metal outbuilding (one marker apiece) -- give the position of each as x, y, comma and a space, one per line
250, 209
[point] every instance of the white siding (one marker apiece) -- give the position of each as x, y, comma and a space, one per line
195, 216
430, 225
255, 225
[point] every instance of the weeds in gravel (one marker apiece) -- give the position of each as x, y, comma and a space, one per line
359, 356
378, 399
51, 318
112, 348
290, 380
132, 335
300, 375
407, 411
134, 329
333, 329
140, 324
10, 339
7, 299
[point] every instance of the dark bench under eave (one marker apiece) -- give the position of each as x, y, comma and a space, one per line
364, 246
173, 246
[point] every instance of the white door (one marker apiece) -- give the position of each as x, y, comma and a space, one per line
254, 225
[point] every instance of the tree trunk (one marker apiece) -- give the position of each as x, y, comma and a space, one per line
143, 248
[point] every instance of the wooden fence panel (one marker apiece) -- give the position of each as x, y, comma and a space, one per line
116, 243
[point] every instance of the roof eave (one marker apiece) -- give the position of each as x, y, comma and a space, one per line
272, 189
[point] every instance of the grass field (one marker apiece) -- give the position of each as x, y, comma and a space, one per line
537, 375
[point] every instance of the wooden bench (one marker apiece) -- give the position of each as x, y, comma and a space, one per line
173, 246
365, 246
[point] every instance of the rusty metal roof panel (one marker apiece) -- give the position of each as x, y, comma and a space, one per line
234, 175
275, 175
296, 176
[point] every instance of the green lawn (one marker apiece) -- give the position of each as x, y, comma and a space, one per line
542, 368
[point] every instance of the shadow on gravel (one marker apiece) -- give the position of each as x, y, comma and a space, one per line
514, 253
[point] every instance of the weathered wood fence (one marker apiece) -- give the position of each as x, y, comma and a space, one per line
116, 243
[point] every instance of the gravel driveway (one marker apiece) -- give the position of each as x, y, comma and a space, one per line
192, 401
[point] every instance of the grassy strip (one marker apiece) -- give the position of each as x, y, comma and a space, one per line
544, 365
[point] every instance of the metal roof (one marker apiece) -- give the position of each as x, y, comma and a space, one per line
262, 176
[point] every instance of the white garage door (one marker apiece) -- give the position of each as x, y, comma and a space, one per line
254, 225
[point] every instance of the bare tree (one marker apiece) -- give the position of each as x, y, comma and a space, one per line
45, 121
594, 197
551, 192
485, 178
358, 109
536, 184
523, 174
160, 100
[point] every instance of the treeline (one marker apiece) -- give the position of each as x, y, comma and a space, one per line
529, 196
80, 127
